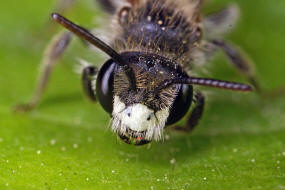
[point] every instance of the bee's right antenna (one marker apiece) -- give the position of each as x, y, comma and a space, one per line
207, 82
86, 35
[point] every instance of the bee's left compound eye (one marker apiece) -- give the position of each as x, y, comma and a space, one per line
105, 85
181, 104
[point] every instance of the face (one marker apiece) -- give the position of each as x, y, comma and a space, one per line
140, 111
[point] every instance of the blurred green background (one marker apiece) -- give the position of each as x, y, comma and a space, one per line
66, 143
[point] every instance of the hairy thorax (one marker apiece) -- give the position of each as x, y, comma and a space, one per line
165, 28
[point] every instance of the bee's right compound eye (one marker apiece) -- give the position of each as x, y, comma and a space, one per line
105, 85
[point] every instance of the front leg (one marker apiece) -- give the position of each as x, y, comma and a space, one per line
89, 77
196, 114
53, 53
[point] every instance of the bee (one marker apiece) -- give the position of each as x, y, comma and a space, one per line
148, 82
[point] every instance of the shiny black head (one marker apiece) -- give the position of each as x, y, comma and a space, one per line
140, 110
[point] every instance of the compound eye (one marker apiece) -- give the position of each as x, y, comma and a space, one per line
181, 104
105, 85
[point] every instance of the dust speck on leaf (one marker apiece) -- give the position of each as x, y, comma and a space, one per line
75, 146
52, 141
165, 177
39, 152
172, 161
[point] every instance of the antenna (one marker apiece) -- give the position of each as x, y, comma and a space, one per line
207, 82
86, 35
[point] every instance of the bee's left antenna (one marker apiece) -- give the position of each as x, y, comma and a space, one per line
86, 35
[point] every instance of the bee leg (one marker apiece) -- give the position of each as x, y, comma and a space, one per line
243, 64
53, 53
195, 116
240, 61
108, 5
89, 76
221, 22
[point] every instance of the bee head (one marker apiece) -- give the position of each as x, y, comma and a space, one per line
140, 110
143, 92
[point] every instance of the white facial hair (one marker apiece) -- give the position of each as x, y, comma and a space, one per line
139, 118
